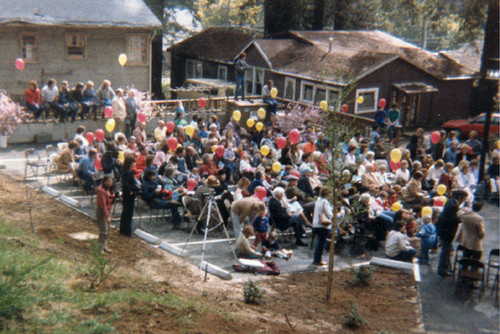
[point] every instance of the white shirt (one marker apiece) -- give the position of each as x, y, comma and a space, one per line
49, 94
396, 243
322, 205
434, 173
119, 109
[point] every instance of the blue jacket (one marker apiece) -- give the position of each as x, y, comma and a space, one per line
256, 183
148, 188
428, 235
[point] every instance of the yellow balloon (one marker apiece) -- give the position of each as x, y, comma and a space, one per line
122, 59
237, 115
444, 198
361, 100
498, 144
214, 147
426, 210
189, 130
274, 92
250, 122
264, 150
396, 155
259, 126
261, 112
396, 207
110, 125
121, 156
323, 105
441, 189
276, 166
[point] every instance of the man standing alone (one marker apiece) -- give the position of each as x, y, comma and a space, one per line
240, 68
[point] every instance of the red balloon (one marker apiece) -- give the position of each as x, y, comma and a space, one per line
20, 64
202, 102
294, 136
108, 112
191, 184
435, 137
220, 151
296, 173
172, 143
260, 192
344, 108
394, 165
281, 142
438, 202
99, 135
170, 127
382, 103
90, 137
97, 164
141, 117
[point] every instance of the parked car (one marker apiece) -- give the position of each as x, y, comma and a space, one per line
464, 126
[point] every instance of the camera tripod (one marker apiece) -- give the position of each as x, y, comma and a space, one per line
209, 206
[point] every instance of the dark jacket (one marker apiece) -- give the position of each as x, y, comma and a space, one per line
448, 221
305, 186
149, 190
256, 183
129, 183
278, 214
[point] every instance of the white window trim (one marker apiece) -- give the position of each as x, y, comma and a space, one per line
302, 91
219, 67
254, 71
362, 91
294, 82
193, 63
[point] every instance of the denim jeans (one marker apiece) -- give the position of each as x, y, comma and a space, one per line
405, 255
240, 86
444, 264
321, 236
273, 105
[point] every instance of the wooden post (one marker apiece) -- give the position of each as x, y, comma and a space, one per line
331, 263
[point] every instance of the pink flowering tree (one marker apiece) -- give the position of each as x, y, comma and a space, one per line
295, 114
11, 114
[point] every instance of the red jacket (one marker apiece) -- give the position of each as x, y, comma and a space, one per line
32, 97
103, 201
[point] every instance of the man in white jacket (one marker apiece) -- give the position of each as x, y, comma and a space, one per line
397, 247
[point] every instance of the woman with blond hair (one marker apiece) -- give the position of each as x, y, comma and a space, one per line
88, 100
104, 95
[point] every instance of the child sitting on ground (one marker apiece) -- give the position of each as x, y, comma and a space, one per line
271, 247
260, 225
428, 237
243, 248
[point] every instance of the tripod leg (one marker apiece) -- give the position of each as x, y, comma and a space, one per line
206, 231
227, 234
194, 228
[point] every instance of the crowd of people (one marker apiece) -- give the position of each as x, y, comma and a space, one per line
266, 180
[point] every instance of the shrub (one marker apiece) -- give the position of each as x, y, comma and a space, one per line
361, 276
252, 292
98, 269
353, 319
11, 115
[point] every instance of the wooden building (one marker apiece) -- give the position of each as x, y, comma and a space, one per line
310, 66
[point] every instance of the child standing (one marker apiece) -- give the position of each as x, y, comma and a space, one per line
260, 224
104, 202
428, 237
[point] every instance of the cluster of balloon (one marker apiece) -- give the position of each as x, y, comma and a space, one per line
261, 113
141, 117
344, 108
441, 189
259, 126
265, 150
99, 135
172, 143
220, 151
274, 92
382, 103
20, 64
277, 167
396, 155
202, 102
122, 59
260, 192
110, 125
440, 201
237, 115
191, 184
281, 142
170, 127
394, 165
426, 210
108, 112
396, 206
90, 137
361, 100
435, 137
250, 122
294, 136
189, 130
323, 105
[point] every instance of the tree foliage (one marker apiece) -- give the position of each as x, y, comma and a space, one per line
229, 12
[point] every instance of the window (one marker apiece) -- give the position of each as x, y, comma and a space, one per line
254, 81
319, 96
307, 92
332, 97
29, 47
194, 69
370, 98
136, 49
75, 45
222, 72
289, 89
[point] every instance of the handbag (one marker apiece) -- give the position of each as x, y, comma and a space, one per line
323, 219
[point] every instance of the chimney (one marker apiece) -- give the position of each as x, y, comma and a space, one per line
330, 44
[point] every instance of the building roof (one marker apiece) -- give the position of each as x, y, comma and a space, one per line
100, 13
468, 55
219, 44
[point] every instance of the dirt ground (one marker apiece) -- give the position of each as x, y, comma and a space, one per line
292, 303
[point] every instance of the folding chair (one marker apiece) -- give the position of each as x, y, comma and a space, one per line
470, 271
34, 162
52, 156
493, 262
461, 249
